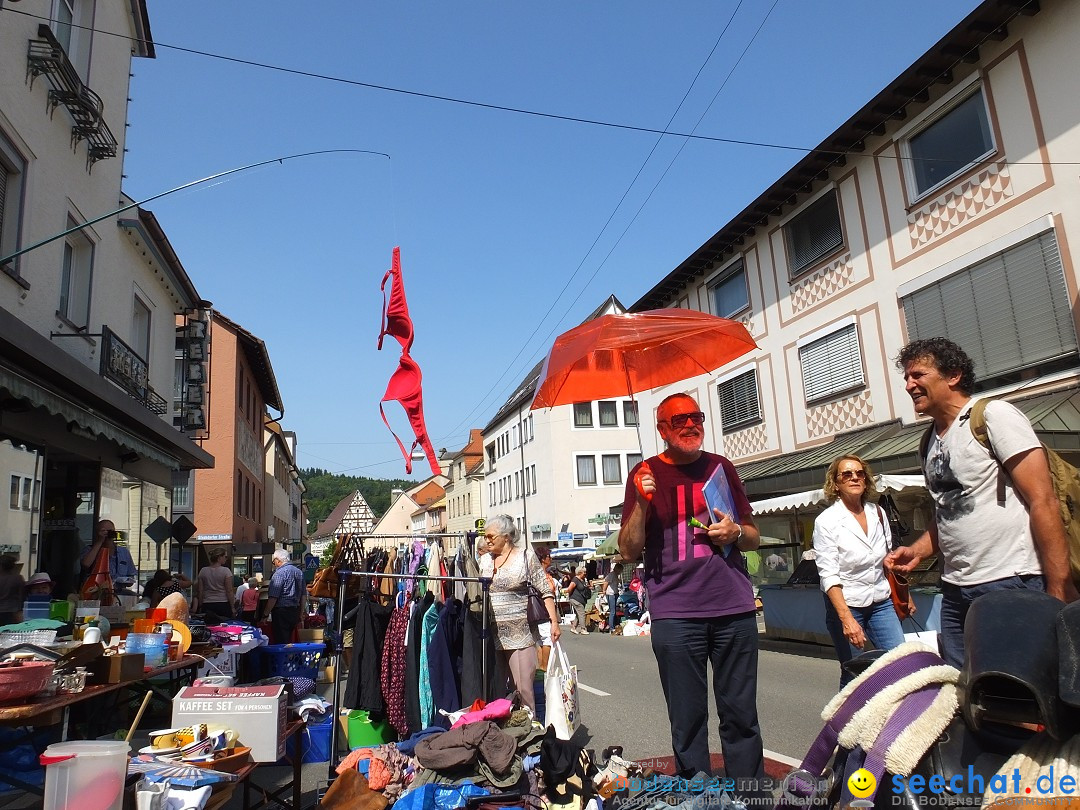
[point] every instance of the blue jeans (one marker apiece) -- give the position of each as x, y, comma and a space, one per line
683, 649
878, 621
957, 599
612, 601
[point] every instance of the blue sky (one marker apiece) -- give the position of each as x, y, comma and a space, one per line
495, 211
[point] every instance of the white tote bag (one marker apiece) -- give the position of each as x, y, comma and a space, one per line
560, 694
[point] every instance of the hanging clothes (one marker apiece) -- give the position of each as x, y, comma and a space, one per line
444, 661
427, 702
362, 690
394, 665
412, 654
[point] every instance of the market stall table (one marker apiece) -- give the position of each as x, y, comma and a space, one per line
51, 711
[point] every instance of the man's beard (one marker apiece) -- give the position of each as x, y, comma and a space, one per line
687, 444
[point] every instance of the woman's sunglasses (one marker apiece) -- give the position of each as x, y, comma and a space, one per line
852, 475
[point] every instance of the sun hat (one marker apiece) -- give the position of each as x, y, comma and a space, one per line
38, 578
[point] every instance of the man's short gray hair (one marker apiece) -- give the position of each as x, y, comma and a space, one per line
503, 524
282, 555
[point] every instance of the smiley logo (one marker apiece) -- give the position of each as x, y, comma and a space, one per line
862, 783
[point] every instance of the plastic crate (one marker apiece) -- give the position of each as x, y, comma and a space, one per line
314, 741
291, 660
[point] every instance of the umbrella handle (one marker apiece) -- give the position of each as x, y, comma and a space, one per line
644, 469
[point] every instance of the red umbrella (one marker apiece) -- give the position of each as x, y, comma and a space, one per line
616, 355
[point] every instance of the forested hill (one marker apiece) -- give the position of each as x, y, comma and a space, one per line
325, 490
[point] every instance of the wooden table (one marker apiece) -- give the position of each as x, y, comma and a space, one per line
273, 797
50, 711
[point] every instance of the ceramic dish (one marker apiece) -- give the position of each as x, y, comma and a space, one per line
154, 752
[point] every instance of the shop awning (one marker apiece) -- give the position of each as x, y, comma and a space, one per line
816, 497
803, 470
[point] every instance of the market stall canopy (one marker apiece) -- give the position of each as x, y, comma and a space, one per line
609, 547
816, 497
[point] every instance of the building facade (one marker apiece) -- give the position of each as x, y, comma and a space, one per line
945, 206
89, 300
464, 472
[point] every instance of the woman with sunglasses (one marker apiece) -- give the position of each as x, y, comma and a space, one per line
512, 571
851, 539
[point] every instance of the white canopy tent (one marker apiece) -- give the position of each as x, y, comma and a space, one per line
816, 497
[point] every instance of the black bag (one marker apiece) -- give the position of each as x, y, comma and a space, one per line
536, 610
899, 530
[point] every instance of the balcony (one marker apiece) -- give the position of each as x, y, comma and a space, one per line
46, 56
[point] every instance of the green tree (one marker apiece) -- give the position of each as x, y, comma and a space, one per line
324, 491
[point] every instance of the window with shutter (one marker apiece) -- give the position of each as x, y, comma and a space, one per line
739, 404
12, 175
813, 234
1009, 312
831, 365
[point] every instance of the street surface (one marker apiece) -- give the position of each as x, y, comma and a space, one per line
792, 691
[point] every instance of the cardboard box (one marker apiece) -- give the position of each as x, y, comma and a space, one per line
115, 668
257, 713
314, 634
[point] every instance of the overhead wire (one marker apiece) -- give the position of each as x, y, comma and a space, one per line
494, 390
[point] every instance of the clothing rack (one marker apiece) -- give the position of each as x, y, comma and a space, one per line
343, 577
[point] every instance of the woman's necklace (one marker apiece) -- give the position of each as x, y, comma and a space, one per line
501, 560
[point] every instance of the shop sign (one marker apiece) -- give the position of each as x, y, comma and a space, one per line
122, 365
112, 484
540, 527
8, 548
59, 523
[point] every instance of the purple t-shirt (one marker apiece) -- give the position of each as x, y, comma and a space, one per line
686, 576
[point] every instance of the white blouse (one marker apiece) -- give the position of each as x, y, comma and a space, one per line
850, 558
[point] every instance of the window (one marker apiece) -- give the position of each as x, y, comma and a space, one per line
12, 173
1010, 312
609, 414
239, 493
632, 460
739, 404
13, 503
582, 414
531, 435
75, 279
728, 294
533, 468
831, 364
950, 143
629, 413
140, 329
71, 24
813, 234
28, 485
586, 471
612, 468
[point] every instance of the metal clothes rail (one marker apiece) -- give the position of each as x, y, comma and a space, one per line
343, 576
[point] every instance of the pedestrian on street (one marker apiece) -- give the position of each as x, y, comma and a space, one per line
543, 652
996, 519
579, 592
611, 591
851, 539
286, 598
214, 586
512, 570
700, 596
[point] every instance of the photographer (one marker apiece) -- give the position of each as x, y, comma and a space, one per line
121, 567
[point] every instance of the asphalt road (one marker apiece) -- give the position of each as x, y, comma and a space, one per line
621, 701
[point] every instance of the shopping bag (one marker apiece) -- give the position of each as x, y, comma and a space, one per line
560, 694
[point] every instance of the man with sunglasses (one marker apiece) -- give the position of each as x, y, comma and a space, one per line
700, 597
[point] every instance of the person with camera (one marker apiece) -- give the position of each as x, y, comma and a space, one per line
122, 568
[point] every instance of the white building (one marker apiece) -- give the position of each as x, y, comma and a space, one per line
559, 471
87, 319
946, 206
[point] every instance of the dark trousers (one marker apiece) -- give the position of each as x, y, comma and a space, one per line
956, 601
283, 621
683, 649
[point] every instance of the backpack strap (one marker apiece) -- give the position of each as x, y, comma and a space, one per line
977, 423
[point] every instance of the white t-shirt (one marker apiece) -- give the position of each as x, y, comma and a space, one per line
981, 540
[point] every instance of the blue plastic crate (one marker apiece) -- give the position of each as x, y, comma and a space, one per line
292, 660
314, 741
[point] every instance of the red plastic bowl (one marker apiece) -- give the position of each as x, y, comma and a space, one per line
25, 680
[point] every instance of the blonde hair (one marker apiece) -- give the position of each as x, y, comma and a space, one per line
831, 491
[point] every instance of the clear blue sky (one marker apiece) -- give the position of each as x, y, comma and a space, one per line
495, 211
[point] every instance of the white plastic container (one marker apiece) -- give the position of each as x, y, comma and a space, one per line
85, 774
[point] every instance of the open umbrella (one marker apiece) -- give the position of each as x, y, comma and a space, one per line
618, 355
609, 547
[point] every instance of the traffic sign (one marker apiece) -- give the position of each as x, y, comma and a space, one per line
159, 531
183, 529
